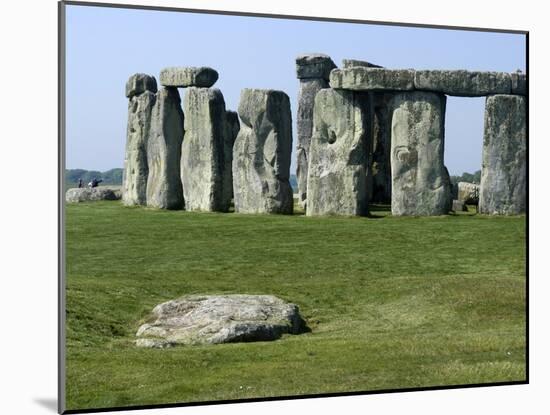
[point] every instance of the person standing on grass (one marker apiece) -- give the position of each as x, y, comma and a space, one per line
80, 183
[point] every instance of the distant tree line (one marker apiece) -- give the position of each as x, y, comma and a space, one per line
467, 177
113, 176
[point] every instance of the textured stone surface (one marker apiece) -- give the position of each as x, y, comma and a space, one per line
185, 76
134, 179
314, 65
261, 154
504, 163
468, 193
89, 194
350, 63
463, 83
372, 79
420, 183
139, 83
337, 177
164, 189
519, 83
214, 319
304, 123
202, 154
381, 149
459, 206
232, 127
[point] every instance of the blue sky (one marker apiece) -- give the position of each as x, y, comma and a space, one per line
107, 45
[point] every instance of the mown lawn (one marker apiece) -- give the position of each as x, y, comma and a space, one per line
392, 302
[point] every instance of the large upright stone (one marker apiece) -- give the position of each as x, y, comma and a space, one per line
504, 165
360, 78
463, 83
139, 83
313, 71
339, 151
164, 189
314, 65
202, 154
420, 183
140, 105
468, 193
379, 174
261, 154
186, 76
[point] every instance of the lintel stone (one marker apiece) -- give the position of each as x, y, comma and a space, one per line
463, 83
372, 79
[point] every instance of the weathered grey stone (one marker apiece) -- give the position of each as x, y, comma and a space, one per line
372, 79
519, 83
337, 176
314, 65
134, 180
164, 189
350, 63
261, 154
232, 127
185, 76
306, 100
380, 170
90, 194
504, 164
202, 154
139, 83
211, 319
468, 193
459, 206
463, 83
420, 183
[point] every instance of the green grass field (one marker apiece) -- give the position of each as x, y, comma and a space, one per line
391, 302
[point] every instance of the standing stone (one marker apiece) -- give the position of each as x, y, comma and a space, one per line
379, 171
261, 154
140, 105
459, 206
337, 177
232, 127
420, 182
202, 154
164, 189
313, 72
504, 164
468, 193
139, 83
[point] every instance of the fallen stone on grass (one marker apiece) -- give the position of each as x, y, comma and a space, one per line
214, 319
89, 194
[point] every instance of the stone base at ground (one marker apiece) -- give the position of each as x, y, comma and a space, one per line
459, 206
215, 319
89, 194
